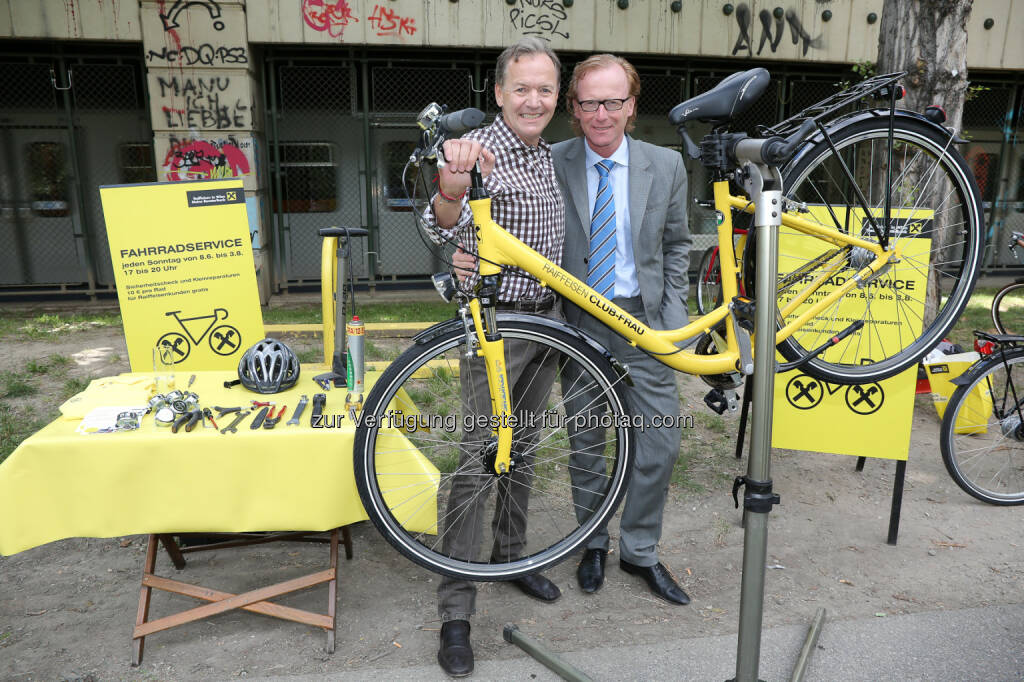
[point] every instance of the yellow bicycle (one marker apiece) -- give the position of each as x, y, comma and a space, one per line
880, 229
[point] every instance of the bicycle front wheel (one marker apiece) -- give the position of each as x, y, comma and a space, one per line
935, 226
425, 468
982, 435
1008, 308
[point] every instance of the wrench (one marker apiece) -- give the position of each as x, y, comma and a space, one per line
238, 418
294, 421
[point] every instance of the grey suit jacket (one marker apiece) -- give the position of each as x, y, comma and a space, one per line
657, 216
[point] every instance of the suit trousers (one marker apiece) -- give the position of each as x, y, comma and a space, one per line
654, 392
531, 373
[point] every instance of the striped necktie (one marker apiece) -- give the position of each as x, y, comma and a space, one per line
601, 272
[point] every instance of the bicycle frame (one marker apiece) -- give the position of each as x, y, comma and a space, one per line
497, 247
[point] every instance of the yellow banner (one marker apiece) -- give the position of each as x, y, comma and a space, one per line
184, 270
873, 419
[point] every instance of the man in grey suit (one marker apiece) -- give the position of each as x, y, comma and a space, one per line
626, 233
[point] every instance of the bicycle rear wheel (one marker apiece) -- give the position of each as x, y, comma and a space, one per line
936, 223
709, 281
982, 434
1008, 308
426, 477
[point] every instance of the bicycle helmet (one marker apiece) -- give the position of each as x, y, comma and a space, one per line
269, 366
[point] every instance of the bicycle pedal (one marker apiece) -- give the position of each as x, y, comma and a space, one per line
715, 399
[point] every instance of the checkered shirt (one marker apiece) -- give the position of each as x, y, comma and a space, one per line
525, 200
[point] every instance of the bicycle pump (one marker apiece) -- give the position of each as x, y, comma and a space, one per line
343, 261
763, 183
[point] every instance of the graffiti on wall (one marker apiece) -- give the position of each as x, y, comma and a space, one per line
202, 103
541, 18
191, 159
387, 23
323, 15
204, 54
773, 25
171, 16
188, 39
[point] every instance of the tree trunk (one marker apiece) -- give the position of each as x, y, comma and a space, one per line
928, 40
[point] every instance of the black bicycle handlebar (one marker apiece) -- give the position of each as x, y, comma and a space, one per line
460, 121
343, 232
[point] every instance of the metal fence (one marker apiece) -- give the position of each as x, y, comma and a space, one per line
68, 124
339, 131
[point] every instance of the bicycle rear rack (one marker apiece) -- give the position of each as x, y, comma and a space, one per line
877, 86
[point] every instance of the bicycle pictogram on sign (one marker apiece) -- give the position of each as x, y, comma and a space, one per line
223, 339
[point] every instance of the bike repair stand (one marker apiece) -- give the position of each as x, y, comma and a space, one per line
764, 183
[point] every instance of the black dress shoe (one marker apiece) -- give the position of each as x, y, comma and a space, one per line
538, 587
590, 572
659, 580
455, 655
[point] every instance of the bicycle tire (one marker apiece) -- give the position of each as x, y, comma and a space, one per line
947, 195
982, 433
709, 281
1006, 299
428, 374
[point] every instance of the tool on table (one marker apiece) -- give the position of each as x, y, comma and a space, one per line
221, 411
208, 415
294, 421
319, 400
356, 332
257, 422
238, 420
164, 416
189, 420
190, 380
271, 421
324, 380
256, 403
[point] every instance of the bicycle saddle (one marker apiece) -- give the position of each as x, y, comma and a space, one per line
725, 101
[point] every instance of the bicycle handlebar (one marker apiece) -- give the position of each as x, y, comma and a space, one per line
460, 121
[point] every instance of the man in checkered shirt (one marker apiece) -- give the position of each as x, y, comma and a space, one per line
526, 201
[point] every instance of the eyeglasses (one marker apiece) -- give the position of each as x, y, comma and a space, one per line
591, 105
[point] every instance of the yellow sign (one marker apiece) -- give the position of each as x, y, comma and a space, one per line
873, 419
184, 269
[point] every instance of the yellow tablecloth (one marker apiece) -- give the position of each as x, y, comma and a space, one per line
61, 484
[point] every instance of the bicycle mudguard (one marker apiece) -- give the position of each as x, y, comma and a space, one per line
836, 124
982, 366
455, 324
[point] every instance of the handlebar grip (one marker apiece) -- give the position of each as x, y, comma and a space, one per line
343, 232
460, 121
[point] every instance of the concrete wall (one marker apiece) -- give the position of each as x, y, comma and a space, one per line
800, 32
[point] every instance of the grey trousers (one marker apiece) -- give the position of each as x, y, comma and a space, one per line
530, 374
654, 392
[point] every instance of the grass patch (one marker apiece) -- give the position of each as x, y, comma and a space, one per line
310, 355
15, 386
48, 325
419, 311
680, 472
73, 386
16, 427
